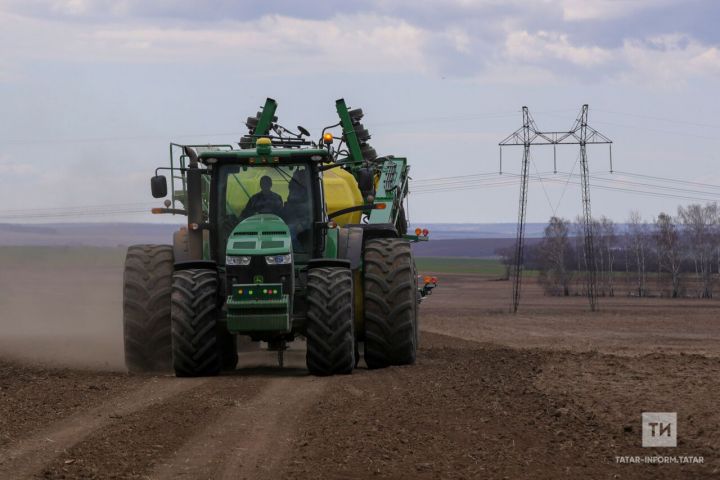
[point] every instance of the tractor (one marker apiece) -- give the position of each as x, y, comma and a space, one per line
286, 237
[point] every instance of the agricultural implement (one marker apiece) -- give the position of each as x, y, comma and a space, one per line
286, 237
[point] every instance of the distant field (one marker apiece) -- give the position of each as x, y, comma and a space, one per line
54, 257
482, 266
58, 257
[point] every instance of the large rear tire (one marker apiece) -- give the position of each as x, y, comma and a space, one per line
329, 331
390, 303
147, 284
196, 349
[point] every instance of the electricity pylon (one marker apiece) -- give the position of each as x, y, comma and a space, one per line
580, 134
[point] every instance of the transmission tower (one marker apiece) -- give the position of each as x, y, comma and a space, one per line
529, 135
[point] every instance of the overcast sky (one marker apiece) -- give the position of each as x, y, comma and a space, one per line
92, 92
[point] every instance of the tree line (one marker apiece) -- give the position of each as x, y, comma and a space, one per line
670, 255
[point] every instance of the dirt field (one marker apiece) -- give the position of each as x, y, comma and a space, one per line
554, 392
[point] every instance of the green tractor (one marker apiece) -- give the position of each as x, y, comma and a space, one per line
286, 237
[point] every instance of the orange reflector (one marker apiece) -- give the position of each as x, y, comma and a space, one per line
157, 210
328, 137
380, 206
425, 232
427, 279
418, 231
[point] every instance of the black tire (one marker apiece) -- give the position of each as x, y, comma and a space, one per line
147, 284
363, 135
196, 349
390, 303
368, 152
356, 114
329, 331
251, 122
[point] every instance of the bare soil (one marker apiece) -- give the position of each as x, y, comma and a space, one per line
553, 392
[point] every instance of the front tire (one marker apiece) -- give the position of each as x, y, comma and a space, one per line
390, 303
329, 331
196, 349
147, 284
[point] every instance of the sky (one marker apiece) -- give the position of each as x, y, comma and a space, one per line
92, 92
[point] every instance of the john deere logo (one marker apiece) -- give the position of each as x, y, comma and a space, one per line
258, 279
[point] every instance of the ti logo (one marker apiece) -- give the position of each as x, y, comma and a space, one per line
659, 429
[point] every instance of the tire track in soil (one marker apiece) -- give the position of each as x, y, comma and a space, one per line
28, 456
133, 445
474, 410
251, 440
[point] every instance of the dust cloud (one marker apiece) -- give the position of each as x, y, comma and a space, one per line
62, 306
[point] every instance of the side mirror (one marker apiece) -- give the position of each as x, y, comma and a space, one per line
158, 186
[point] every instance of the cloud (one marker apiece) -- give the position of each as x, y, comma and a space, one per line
17, 168
583, 10
358, 42
669, 60
524, 46
486, 40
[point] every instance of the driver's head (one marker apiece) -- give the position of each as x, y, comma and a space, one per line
265, 183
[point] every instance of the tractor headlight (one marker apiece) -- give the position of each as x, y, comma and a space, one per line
237, 260
279, 259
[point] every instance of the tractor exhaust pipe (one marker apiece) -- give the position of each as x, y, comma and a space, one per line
194, 206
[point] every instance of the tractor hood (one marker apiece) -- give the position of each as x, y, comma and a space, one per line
262, 234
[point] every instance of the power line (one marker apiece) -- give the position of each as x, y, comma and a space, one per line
661, 119
534, 179
445, 118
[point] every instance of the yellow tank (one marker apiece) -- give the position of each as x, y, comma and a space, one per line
341, 191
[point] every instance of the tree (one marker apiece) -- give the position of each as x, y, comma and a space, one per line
638, 236
608, 248
507, 258
667, 239
554, 252
700, 224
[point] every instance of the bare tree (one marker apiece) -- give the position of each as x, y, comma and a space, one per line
667, 239
507, 258
700, 224
578, 234
608, 241
637, 234
554, 251
599, 256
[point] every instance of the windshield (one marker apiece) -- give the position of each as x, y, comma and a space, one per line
282, 190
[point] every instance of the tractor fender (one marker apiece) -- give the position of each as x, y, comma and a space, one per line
186, 265
376, 230
181, 250
328, 262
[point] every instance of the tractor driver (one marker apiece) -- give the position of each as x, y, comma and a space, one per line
296, 212
265, 201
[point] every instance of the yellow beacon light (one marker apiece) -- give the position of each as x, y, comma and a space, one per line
328, 137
